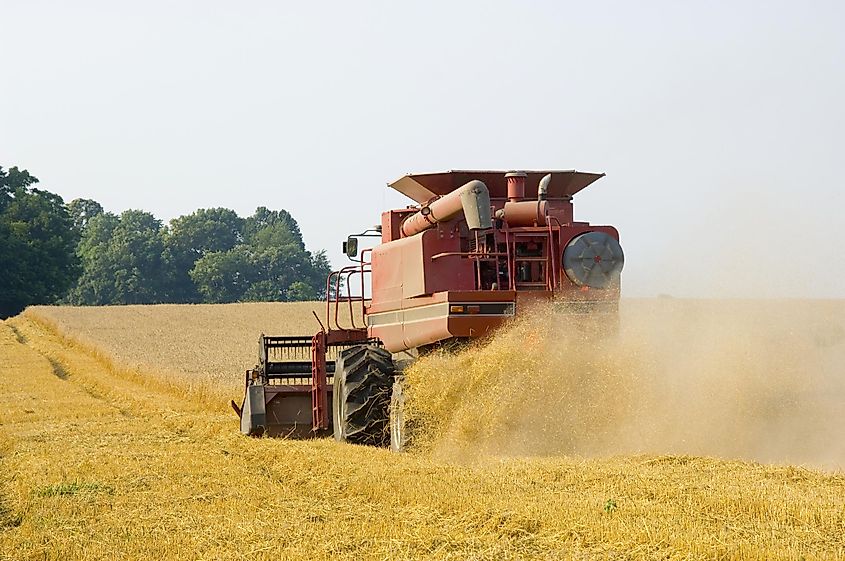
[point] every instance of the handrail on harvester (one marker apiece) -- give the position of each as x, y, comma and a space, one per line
333, 281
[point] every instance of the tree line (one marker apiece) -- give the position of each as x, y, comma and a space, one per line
77, 253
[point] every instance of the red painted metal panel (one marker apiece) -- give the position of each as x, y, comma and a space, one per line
319, 385
519, 260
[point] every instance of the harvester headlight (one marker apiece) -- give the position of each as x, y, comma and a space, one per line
456, 309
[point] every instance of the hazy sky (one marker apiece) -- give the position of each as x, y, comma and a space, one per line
719, 124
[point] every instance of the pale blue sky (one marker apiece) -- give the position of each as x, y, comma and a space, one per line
720, 125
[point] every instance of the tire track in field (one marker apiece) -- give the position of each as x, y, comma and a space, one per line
122, 390
18, 335
27, 336
22, 379
73, 467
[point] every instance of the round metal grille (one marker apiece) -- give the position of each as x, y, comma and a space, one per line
593, 259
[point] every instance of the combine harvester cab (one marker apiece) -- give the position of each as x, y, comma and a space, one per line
478, 248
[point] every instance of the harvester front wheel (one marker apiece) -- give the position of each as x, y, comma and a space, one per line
363, 379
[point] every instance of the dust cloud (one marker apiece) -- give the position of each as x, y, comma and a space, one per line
761, 380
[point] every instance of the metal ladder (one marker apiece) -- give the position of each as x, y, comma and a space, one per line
546, 259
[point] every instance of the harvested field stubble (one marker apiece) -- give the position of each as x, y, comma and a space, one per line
98, 464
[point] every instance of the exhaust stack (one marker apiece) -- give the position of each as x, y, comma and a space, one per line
518, 212
543, 188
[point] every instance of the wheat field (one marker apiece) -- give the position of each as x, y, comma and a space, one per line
115, 443
208, 343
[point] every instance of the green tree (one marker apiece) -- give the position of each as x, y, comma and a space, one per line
14, 180
96, 285
300, 292
122, 259
191, 237
281, 258
270, 265
82, 211
272, 228
210, 255
263, 291
38, 262
319, 273
289, 270
224, 276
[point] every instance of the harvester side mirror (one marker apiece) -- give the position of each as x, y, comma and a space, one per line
350, 247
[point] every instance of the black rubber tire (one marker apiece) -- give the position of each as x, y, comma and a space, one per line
363, 379
398, 426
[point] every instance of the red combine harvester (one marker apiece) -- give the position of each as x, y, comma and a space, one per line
476, 249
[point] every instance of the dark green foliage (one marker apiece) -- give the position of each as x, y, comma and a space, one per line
300, 291
122, 259
86, 256
270, 265
224, 276
274, 228
82, 211
212, 256
190, 238
37, 241
12, 181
